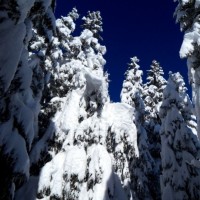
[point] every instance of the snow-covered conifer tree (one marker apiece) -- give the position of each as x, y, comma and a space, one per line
20, 91
93, 22
141, 166
16, 133
82, 165
187, 14
180, 144
133, 82
76, 137
49, 57
78, 174
65, 27
153, 89
153, 96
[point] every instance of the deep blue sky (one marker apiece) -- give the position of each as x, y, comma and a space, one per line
145, 29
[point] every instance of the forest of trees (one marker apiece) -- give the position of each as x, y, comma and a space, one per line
62, 138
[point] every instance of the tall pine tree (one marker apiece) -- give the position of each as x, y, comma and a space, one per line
180, 146
141, 168
19, 100
76, 169
93, 22
187, 14
153, 96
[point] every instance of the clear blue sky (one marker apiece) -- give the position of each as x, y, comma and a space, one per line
145, 29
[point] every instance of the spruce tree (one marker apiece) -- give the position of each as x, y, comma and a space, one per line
16, 134
20, 90
92, 142
142, 166
187, 14
180, 145
132, 82
48, 58
81, 172
153, 96
121, 143
93, 22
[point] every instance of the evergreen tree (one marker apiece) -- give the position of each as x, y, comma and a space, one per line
153, 96
121, 143
82, 159
93, 22
180, 145
133, 82
16, 134
154, 88
48, 58
75, 145
187, 14
141, 166
65, 28
20, 90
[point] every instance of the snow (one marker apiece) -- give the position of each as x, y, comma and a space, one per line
68, 118
197, 3
187, 46
188, 17
53, 170
12, 50
15, 147
100, 168
22, 115
83, 158
195, 163
75, 162
132, 83
62, 29
100, 149
120, 117
46, 4
167, 194
41, 145
86, 35
180, 145
24, 7
82, 151
195, 81
29, 190
184, 2
119, 192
